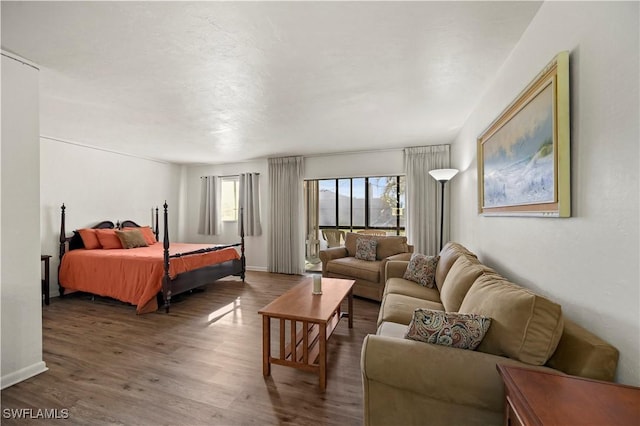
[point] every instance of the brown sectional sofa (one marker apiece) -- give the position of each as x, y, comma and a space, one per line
410, 382
340, 262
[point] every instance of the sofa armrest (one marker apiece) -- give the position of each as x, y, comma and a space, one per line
395, 269
330, 254
400, 256
395, 257
451, 375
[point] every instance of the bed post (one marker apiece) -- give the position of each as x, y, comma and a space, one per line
157, 230
242, 258
166, 284
63, 233
63, 239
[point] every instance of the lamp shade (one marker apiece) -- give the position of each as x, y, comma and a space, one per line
443, 174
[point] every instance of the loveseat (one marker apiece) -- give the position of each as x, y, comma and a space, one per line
369, 275
410, 382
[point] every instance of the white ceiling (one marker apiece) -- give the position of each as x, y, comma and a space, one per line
220, 82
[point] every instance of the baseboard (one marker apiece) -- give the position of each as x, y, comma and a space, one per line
23, 374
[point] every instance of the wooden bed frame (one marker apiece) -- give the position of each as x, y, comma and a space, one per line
182, 283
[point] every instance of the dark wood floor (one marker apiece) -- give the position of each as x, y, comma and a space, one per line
199, 365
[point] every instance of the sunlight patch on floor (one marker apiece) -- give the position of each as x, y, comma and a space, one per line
231, 308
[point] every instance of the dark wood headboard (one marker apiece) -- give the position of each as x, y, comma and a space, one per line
74, 242
128, 224
132, 224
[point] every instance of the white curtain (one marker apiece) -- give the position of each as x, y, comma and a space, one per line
249, 203
312, 227
423, 194
286, 230
208, 223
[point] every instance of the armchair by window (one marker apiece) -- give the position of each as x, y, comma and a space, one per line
369, 275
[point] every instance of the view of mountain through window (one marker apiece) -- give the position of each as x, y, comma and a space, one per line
361, 203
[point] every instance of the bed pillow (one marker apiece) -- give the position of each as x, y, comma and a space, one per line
147, 233
89, 238
462, 331
422, 269
131, 239
366, 249
108, 239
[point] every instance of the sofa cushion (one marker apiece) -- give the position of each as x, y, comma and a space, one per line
350, 239
422, 270
462, 331
390, 245
399, 308
356, 268
366, 249
524, 326
448, 255
582, 353
387, 246
464, 271
392, 329
409, 288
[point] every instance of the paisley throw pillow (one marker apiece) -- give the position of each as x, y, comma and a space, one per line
366, 249
463, 331
422, 269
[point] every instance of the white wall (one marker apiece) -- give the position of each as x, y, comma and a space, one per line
589, 262
379, 163
21, 317
355, 164
98, 185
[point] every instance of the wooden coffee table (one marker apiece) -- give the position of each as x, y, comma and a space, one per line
312, 319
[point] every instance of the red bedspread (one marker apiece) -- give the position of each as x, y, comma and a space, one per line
132, 275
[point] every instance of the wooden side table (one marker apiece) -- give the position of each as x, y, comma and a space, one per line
45, 282
535, 397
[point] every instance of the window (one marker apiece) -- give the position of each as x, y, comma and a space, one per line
327, 203
362, 203
229, 199
386, 202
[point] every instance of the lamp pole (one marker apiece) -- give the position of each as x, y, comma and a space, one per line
442, 182
443, 176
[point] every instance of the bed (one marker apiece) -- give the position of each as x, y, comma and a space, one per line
144, 276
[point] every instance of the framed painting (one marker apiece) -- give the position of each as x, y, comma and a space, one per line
524, 155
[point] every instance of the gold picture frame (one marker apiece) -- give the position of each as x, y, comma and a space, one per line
524, 155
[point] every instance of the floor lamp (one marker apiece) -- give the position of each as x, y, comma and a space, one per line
443, 176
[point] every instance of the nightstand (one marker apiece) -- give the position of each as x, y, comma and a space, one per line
534, 397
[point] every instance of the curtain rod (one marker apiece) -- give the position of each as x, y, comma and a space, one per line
226, 176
